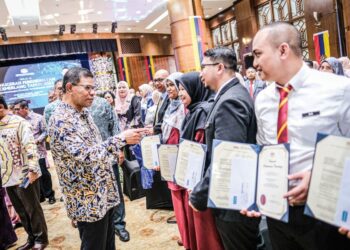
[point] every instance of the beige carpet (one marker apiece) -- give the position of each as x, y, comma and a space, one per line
148, 228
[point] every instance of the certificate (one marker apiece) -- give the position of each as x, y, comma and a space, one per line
329, 191
167, 160
190, 164
149, 151
247, 176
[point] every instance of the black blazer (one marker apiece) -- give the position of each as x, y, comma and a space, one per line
158, 120
231, 118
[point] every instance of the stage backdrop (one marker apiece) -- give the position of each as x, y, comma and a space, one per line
32, 81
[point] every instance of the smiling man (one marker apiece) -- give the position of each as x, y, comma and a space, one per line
84, 162
292, 110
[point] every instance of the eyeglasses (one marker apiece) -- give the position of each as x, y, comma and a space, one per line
203, 65
158, 80
87, 87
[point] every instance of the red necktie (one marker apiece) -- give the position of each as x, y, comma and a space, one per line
282, 128
251, 89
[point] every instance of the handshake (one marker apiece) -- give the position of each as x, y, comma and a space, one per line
134, 136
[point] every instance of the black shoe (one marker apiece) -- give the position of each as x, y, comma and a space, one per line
17, 225
123, 235
26, 246
42, 199
61, 199
52, 200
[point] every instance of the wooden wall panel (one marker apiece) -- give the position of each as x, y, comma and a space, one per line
222, 17
328, 22
137, 71
346, 15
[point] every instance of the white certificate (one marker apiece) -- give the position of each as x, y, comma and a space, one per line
189, 164
167, 160
273, 182
329, 192
233, 175
247, 176
149, 151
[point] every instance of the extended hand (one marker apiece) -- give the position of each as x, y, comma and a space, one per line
344, 231
298, 194
250, 213
133, 136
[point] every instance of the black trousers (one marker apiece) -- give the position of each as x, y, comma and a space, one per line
119, 212
27, 205
45, 180
304, 232
98, 235
238, 235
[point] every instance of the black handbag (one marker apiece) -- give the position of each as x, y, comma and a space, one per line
132, 186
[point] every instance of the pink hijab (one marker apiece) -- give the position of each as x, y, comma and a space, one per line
122, 103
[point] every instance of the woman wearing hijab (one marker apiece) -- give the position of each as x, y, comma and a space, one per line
331, 65
146, 101
122, 103
195, 97
171, 126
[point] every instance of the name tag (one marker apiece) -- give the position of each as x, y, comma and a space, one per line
309, 114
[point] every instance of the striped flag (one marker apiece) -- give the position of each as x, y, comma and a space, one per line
149, 65
321, 43
197, 35
123, 69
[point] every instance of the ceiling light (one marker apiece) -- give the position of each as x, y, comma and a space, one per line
138, 12
99, 12
220, 8
105, 29
114, 26
155, 30
121, 10
56, 14
27, 32
73, 28
142, 36
94, 28
137, 21
149, 1
85, 12
24, 23
83, 29
165, 37
157, 20
207, 16
128, 28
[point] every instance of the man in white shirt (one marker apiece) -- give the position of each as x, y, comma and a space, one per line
316, 102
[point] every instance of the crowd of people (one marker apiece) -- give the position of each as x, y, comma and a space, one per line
91, 133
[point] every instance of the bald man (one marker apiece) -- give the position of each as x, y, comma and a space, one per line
316, 102
159, 83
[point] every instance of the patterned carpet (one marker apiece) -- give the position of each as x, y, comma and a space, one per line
148, 228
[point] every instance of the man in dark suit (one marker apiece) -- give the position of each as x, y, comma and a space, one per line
231, 119
253, 85
159, 83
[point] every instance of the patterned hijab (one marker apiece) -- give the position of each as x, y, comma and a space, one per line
335, 64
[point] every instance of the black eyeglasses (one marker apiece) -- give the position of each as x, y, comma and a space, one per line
203, 65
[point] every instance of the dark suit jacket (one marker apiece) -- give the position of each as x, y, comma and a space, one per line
258, 86
158, 120
231, 118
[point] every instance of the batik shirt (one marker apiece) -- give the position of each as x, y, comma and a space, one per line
49, 109
104, 117
18, 151
83, 163
39, 131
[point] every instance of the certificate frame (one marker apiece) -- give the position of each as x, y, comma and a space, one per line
171, 175
252, 201
336, 212
181, 178
148, 158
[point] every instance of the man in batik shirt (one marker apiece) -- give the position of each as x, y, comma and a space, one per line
84, 162
39, 130
19, 173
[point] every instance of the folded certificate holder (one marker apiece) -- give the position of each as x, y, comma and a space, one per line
247, 176
329, 191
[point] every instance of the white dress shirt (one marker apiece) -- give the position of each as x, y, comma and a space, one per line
319, 102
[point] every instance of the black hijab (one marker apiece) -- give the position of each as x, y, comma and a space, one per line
199, 107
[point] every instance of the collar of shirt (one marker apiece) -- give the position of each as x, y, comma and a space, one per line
164, 95
29, 116
222, 86
299, 78
72, 110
